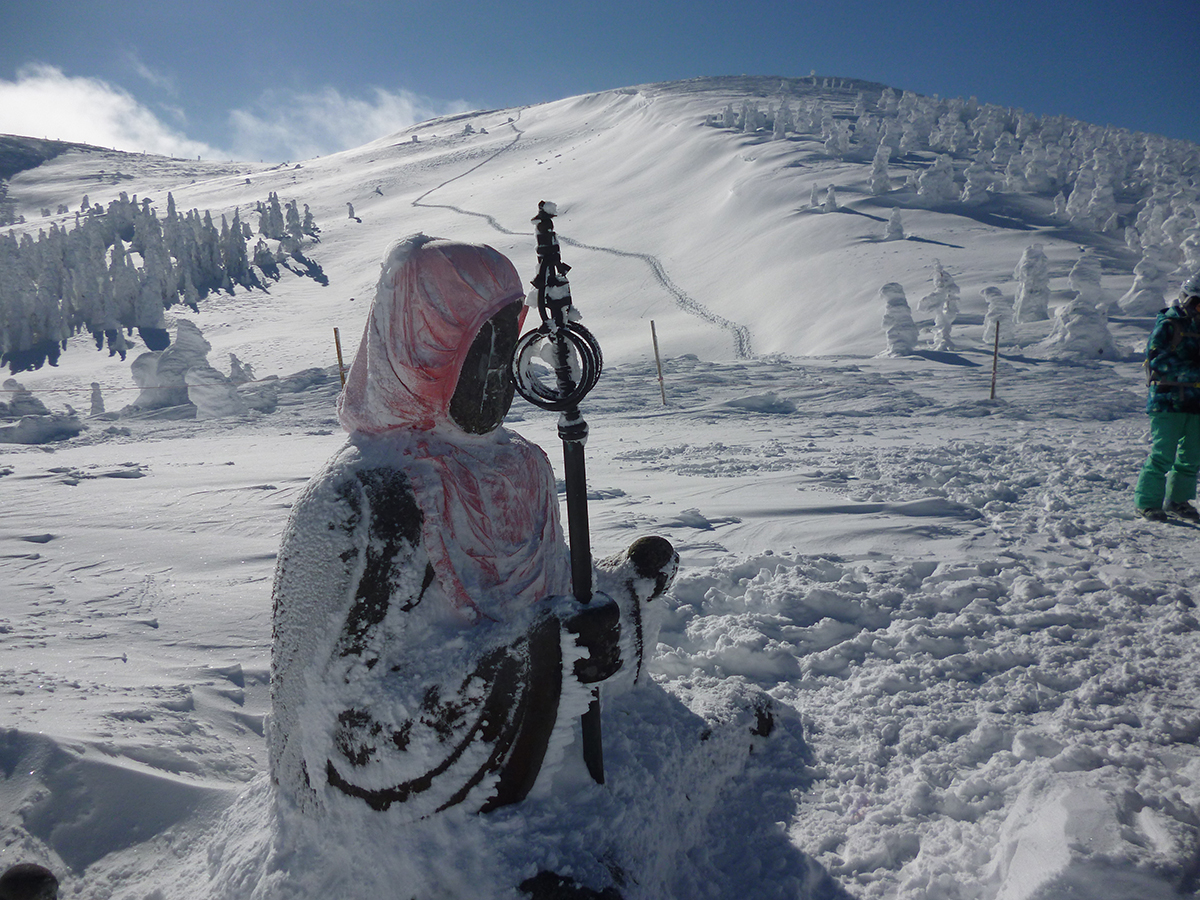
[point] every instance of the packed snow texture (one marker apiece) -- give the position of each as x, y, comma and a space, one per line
977, 664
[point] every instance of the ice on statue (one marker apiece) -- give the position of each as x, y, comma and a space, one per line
429, 658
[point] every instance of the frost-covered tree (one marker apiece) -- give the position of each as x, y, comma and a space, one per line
1014, 174
888, 102
895, 228
97, 400
1032, 274
979, 180
779, 125
1133, 240
1081, 197
999, 311
1191, 256
936, 184
309, 225
240, 372
942, 301
1102, 205
814, 198
276, 226
117, 271
881, 183
264, 260
1080, 331
831, 202
1147, 295
868, 132
1005, 149
1085, 279
292, 223
898, 322
234, 257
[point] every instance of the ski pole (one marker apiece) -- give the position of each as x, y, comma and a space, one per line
576, 368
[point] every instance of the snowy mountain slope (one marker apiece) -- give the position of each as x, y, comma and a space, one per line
703, 229
984, 664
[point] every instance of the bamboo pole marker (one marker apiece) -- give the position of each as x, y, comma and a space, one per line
658, 362
337, 340
995, 358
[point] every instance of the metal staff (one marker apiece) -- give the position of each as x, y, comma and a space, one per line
576, 362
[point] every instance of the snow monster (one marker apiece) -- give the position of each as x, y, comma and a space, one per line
424, 639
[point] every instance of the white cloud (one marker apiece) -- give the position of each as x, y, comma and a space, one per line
44, 102
155, 78
287, 125
280, 125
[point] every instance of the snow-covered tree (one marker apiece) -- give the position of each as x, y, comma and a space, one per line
240, 372
831, 202
1085, 278
1080, 331
1033, 286
898, 322
1005, 149
1147, 295
880, 182
936, 184
888, 102
999, 311
942, 301
895, 228
1081, 197
97, 400
309, 225
979, 180
234, 257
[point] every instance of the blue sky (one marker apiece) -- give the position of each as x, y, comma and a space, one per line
277, 81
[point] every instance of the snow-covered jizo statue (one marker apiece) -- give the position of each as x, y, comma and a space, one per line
1033, 286
897, 321
420, 602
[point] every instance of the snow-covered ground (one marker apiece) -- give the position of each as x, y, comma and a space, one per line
983, 666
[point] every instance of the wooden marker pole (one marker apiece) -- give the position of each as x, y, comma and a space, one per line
995, 358
337, 340
658, 362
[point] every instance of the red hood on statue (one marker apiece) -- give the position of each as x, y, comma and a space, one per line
431, 374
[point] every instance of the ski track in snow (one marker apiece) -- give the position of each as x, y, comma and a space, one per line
742, 343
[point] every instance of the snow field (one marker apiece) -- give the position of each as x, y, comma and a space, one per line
978, 663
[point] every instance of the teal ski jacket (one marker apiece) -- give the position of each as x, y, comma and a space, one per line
1173, 363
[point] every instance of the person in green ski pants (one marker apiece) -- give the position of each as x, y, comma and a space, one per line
1167, 484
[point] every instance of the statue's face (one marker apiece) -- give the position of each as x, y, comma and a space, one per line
485, 391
